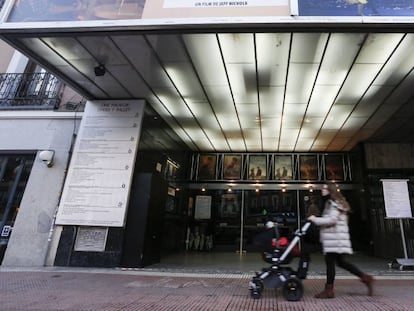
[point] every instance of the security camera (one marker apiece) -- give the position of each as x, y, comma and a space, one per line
47, 157
100, 70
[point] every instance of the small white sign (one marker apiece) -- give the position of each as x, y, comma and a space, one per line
6, 231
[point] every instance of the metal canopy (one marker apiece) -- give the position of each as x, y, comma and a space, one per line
235, 90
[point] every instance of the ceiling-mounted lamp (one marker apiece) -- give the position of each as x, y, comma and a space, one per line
47, 157
203, 189
100, 70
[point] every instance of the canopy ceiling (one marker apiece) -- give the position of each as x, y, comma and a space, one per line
241, 91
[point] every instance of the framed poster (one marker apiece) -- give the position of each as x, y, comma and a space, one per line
230, 206
283, 167
257, 167
334, 167
232, 166
308, 167
207, 166
171, 169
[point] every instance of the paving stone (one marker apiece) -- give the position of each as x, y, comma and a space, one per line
112, 290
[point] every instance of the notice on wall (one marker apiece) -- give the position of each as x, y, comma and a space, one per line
91, 239
97, 186
396, 198
202, 207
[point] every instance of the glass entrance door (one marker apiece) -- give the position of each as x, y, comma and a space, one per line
237, 216
227, 224
261, 206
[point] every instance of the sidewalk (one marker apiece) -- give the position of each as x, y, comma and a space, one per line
53, 288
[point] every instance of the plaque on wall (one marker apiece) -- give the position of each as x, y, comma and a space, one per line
91, 239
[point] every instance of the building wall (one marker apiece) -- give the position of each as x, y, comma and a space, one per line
6, 55
389, 156
31, 239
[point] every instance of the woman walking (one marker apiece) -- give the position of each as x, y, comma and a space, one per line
335, 239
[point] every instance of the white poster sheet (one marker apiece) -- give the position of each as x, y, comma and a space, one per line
396, 198
202, 207
97, 186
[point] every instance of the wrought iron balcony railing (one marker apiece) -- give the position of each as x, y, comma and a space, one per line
29, 91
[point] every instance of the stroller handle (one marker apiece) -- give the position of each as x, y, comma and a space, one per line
305, 227
302, 231
296, 239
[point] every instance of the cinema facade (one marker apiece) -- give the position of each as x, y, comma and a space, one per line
194, 122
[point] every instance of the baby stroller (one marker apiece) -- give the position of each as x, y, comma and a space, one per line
279, 275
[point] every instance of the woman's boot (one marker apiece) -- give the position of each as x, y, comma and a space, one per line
368, 281
328, 292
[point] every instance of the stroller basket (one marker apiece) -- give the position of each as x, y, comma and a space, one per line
280, 246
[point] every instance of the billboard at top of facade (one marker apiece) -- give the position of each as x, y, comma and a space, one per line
88, 10
356, 7
203, 11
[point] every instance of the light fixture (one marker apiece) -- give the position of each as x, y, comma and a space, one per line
100, 70
203, 189
47, 157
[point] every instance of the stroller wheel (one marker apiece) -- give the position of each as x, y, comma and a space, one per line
255, 294
256, 289
292, 289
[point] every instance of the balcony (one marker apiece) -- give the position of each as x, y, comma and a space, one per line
27, 91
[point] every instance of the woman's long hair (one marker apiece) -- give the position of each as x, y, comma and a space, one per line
337, 196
